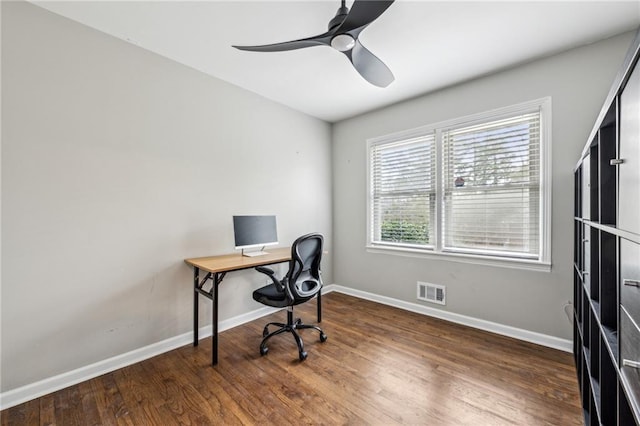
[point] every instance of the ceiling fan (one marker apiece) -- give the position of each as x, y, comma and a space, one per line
342, 35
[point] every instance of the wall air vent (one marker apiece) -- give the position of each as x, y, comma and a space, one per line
433, 293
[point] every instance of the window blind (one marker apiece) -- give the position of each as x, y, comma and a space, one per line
491, 184
403, 192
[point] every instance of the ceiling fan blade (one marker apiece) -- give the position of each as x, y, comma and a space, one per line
362, 13
369, 66
319, 40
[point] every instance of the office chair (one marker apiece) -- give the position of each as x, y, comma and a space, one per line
302, 282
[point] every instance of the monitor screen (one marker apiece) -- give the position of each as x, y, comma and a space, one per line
254, 231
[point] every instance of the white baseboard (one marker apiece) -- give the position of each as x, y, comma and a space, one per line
505, 330
43, 387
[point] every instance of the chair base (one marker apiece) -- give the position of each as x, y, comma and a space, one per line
291, 327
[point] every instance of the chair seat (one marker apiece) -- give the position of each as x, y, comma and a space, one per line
270, 295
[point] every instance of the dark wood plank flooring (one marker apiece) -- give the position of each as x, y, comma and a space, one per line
379, 366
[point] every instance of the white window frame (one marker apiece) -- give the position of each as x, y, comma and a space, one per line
543, 263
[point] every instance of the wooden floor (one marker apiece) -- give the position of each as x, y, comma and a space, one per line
379, 366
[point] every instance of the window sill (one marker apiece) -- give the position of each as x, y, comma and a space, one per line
463, 258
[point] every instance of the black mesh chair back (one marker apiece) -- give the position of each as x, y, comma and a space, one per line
304, 277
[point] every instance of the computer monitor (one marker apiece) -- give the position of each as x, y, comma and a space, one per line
254, 232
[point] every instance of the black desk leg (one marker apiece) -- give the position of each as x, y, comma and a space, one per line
217, 279
196, 279
319, 305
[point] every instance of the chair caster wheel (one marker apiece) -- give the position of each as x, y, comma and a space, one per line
299, 321
265, 332
264, 350
303, 356
323, 337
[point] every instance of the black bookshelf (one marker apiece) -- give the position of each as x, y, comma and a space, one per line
606, 257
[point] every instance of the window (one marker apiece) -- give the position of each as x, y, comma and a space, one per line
404, 191
470, 187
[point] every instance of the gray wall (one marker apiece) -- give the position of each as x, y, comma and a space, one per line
578, 82
116, 165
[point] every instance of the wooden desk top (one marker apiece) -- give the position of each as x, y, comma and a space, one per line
236, 261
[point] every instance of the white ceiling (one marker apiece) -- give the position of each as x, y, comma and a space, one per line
427, 44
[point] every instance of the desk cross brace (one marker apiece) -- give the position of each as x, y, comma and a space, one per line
216, 279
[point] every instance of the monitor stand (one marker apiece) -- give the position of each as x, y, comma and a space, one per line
254, 253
